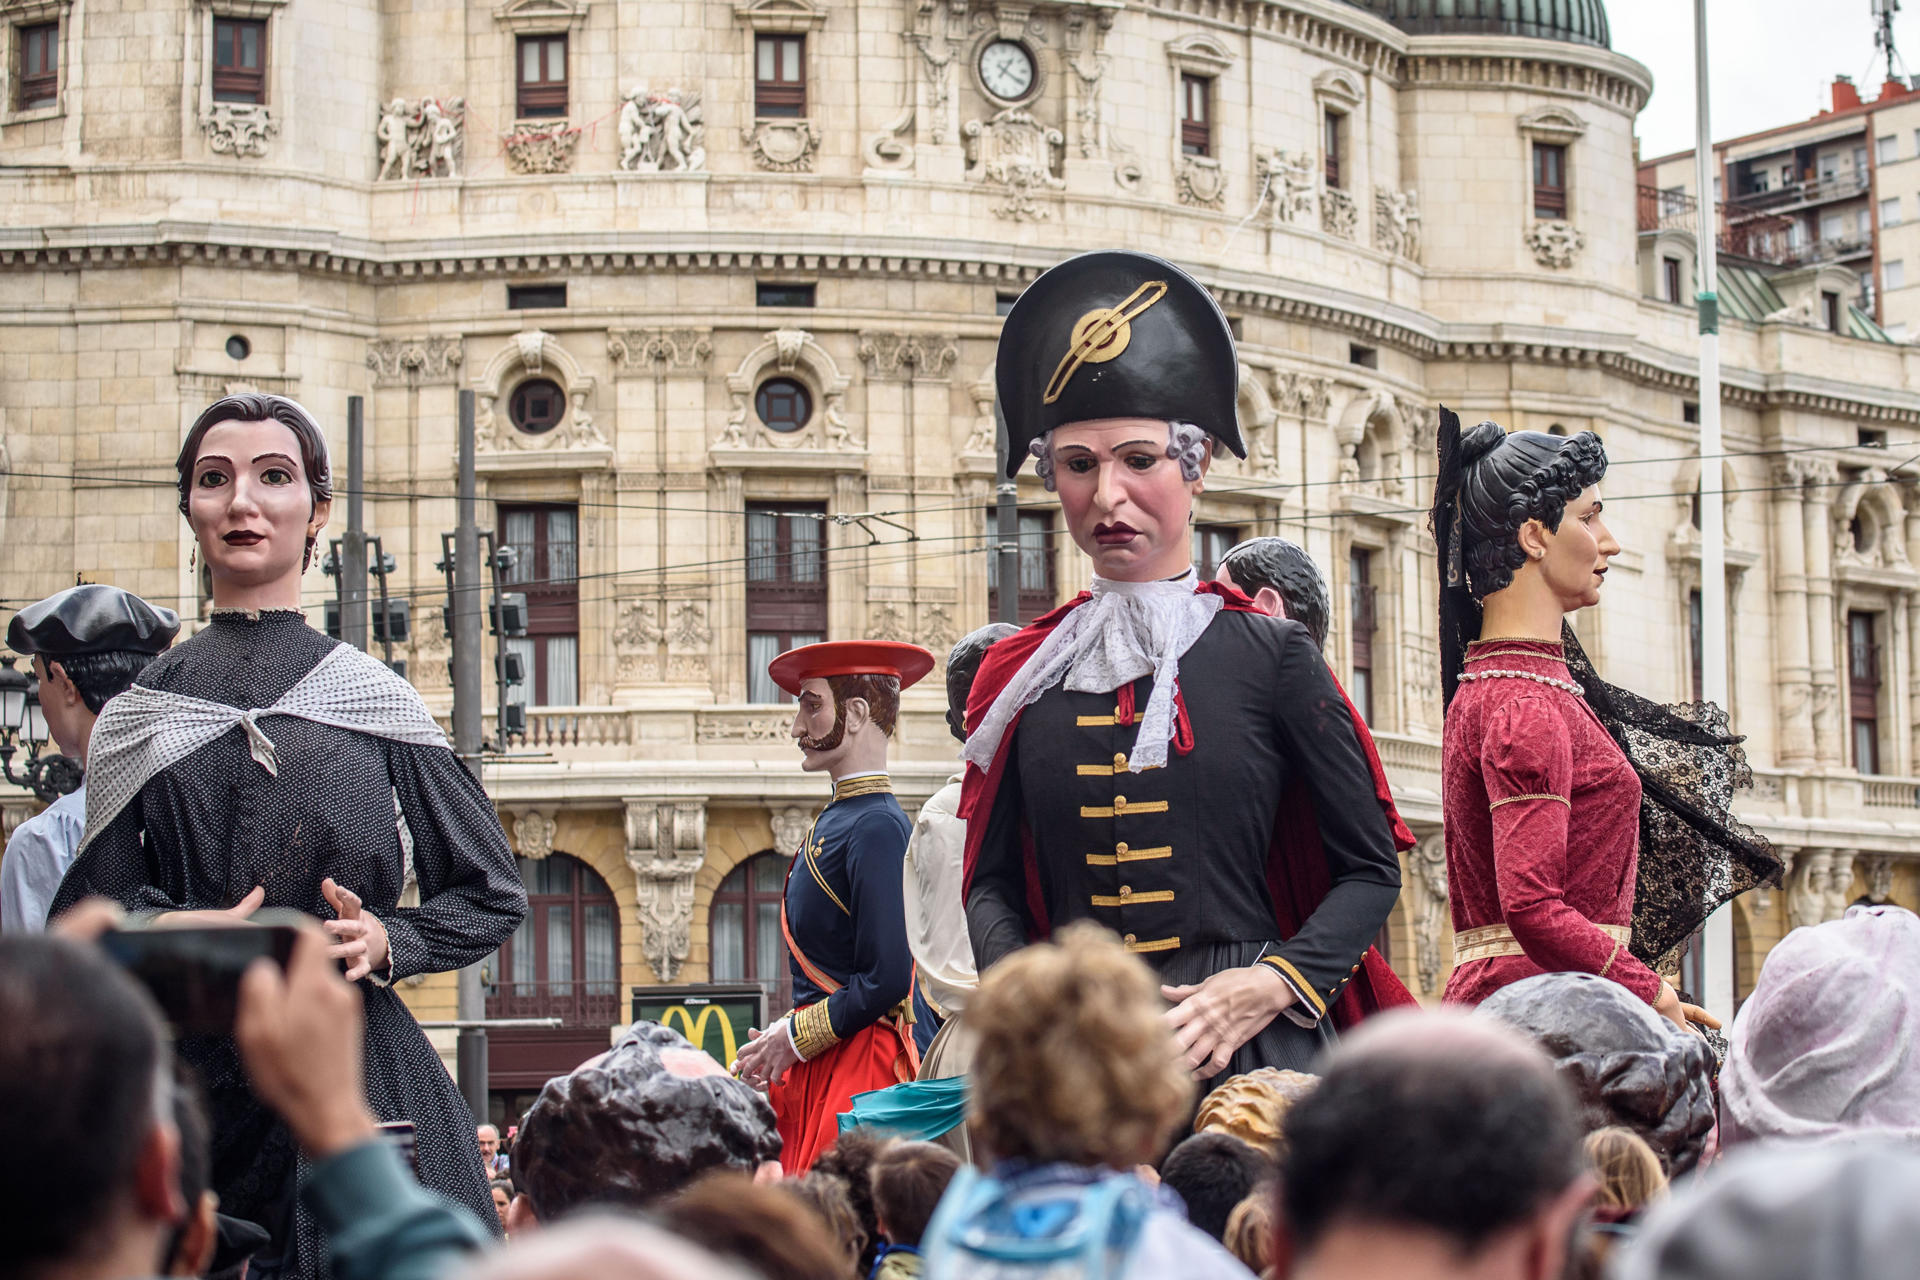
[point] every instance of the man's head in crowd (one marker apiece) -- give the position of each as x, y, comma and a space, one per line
1074, 1063
1436, 1144
1828, 1044
1280, 579
1787, 1211
765, 1226
636, 1123
963, 664
489, 1139
1626, 1064
92, 1175
1213, 1172
826, 1194
908, 1180
851, 1159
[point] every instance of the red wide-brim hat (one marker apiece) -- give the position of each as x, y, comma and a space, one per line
907, 662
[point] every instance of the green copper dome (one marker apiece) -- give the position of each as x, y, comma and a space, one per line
1574, 21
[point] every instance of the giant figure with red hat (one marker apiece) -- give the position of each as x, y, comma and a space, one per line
1157, 755
843, 915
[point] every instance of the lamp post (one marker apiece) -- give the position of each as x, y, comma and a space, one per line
21, 720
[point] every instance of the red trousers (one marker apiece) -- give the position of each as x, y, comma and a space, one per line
808, 1101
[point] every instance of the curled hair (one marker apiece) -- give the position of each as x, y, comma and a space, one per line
100, 676
963, 664
882, 695
1187, 444
1490, 484
1290, 571
258, 407
1075, 1063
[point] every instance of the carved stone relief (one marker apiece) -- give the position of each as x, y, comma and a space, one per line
1202, 182
1396, 223
1290, 183
782, 146
1302, 395
1878, 869
662, 131
689, 640
908, 355
1555, 244
1016, 152
789, 351
789, 828
412, 362
938, 31
646, 350
425, 139
238, 128
545, 148
1818, 886
1427, 865
889, 621
533, 834
637, 636
666, 844
531, 351
1338, 214
937, 631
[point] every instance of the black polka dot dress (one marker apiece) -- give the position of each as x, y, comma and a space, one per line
203, 833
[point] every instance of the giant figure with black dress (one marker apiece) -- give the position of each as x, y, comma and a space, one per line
260, 763
843, 914
1156, 755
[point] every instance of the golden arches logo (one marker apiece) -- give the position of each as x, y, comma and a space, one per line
695, 1029
1101, 335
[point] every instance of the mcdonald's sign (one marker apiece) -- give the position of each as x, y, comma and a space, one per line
714, 1016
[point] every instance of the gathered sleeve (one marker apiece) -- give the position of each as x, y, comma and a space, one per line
123, 864
1527, 765
471, 898
1320, 736
882, 973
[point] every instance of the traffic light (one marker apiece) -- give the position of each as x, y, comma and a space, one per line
508, 616
332, 619
513, 720
513, 668
396, 624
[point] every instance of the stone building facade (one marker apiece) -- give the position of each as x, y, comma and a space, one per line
725, 278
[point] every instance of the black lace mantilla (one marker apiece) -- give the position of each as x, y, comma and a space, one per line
1694, 854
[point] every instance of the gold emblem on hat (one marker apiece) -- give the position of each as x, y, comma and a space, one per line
1101, 335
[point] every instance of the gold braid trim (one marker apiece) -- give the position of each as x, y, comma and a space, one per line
871, 785
1300, 984
1531, 795
1617, 948
813, 1031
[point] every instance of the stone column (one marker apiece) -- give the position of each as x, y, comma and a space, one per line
1793, 693
666, 844
1825, 676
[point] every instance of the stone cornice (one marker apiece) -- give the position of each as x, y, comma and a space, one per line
1371, 319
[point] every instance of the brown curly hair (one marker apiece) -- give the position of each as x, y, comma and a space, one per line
1075, 1063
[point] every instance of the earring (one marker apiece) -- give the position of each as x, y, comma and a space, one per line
193, 558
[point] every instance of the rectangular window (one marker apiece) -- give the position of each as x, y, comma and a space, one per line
1549, 180
1332, 136
1830, 166
1830, 226
542, 76
1895, 273
1889, 149
1365, 357
1003, 303
1830, 310
1860, 162
1863, 689
1037, 588
779, 76
1890, 212
1670, 274
1211, 542
786, 587
533, 297
239, 60
782, 295
1360, 584
1196, 115
38, 84
545, 539
1696, 624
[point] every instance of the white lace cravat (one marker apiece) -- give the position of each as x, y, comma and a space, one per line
144, 731
1125, 631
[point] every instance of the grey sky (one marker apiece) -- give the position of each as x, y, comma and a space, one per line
1772, 60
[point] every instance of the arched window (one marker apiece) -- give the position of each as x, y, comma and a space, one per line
564, 959
536, 406
743, 929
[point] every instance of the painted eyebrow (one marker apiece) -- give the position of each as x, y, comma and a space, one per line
283, 457
1124, 444
212, 457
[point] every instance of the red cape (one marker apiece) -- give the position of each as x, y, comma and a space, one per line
1296, 863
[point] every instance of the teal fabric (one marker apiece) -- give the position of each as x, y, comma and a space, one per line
380, 1224
920, 1111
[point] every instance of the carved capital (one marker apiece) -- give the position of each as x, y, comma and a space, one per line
238, 128
666, 845
415, 362
659, 350
908, 355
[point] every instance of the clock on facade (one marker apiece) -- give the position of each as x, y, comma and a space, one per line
1007, 70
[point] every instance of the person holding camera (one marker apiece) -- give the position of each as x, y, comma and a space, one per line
87, 644
261, 764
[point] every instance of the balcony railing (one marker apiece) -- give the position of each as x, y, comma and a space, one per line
1740, 229
576, 1004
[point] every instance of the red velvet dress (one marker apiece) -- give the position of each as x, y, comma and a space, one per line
1542, 815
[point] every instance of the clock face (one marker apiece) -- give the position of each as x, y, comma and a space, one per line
1007, 70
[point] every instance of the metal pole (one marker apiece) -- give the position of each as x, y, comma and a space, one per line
1716, 938
1006, 524
353, 550
471, 1052
386, 615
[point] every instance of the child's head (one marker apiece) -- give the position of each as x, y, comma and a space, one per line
908, 1180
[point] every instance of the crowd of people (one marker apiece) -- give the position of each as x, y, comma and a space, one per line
1109, 1006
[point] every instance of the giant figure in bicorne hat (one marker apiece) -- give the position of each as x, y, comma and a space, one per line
851, 1030
1157, 755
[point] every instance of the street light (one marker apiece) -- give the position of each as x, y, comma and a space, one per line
22, 721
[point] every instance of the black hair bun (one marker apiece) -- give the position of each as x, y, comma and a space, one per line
1480, 441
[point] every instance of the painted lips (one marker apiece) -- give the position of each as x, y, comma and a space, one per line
1114, 535
243, 538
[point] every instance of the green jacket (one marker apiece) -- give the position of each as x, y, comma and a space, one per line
383, 1225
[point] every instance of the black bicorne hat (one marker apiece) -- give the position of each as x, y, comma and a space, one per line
1116, 335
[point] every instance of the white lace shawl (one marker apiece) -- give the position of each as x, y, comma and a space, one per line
1125, 631
144, 731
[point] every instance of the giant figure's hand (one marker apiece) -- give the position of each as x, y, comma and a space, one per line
767, 1055
214, 918
358, 936
1212, 1019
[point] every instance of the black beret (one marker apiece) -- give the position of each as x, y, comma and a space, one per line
92, 618
1116, 335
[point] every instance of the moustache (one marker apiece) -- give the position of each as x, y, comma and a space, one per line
831, 740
